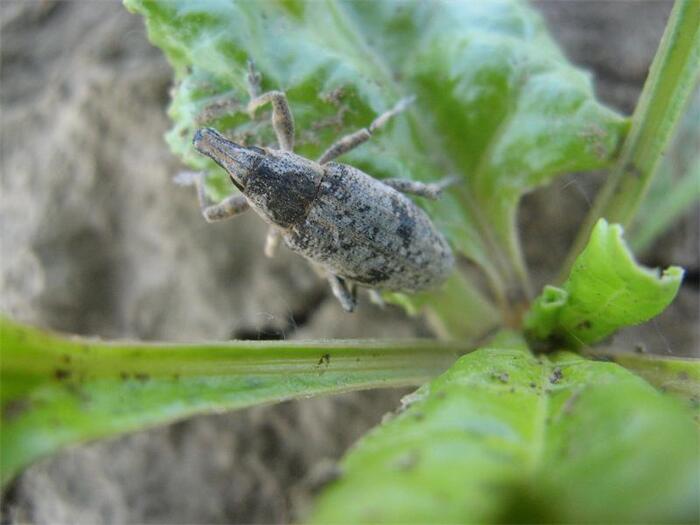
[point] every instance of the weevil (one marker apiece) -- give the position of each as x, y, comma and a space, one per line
360, 231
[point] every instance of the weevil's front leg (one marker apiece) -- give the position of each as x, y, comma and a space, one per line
226, 209
282, 119
351, 141
272, 241
341, 292
431, 190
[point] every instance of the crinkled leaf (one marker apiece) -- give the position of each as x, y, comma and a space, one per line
504, 436
497, 104
606, 290
57, 391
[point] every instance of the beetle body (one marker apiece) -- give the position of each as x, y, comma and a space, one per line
357, 229
370, 234
350, 224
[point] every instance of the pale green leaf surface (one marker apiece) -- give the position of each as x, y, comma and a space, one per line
504, 436
606, 290
57, 390
497, 104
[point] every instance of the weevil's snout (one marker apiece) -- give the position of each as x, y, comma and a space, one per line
237, 160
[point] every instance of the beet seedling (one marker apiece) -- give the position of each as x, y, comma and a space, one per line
504, 435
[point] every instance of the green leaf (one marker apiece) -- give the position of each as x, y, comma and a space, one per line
497, 104
607, 290
57, 390
504, 436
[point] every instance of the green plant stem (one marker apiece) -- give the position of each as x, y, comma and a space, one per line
57, 390
672, 77
677, 376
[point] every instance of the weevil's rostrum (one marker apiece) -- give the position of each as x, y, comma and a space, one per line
357, 229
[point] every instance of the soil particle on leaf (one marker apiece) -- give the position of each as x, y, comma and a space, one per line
14, 408
556, 375
584, 325
503, 377
62, 374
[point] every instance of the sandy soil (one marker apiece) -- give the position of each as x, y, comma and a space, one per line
96, 240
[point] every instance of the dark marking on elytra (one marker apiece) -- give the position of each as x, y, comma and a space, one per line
407, 224
325, 358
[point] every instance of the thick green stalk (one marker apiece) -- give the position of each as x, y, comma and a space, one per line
673, 75
58, 390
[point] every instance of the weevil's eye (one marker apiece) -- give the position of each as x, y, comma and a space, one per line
257, 150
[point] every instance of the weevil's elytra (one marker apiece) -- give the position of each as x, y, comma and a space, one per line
359, 230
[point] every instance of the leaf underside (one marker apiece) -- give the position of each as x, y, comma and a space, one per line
497, 105
506, 437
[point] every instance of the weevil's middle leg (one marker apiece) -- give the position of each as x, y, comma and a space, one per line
282, 119
340, 290
351, 141
272, 241
376, 298
431, 190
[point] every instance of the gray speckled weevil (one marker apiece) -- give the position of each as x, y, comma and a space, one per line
358, 230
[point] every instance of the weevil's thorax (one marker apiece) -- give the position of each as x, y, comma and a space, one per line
282, 187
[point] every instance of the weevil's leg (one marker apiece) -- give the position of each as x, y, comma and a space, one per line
282, 119
341, 292
253, 78
376, 298
351, 141
272, 241
431, 190
226, 209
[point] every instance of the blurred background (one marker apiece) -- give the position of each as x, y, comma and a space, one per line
96, 240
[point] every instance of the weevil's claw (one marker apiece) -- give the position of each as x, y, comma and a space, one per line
404, 103
188, 178
253, 79
449, 181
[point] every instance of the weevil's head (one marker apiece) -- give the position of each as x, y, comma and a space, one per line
278, 184
237, 160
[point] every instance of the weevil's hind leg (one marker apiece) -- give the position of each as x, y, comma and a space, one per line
226, 209
341, 292
351, 141
376, 298
282, 119
431, 190
272, 241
